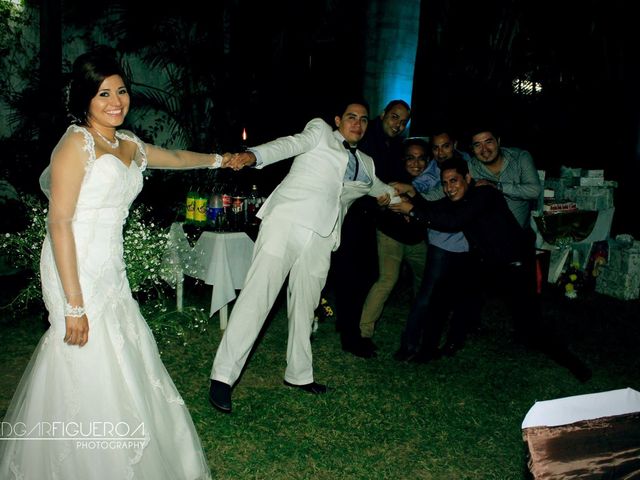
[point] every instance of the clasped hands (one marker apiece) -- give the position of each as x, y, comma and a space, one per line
405, 191
400, 202
238, 161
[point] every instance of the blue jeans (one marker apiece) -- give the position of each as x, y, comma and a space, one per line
446, 282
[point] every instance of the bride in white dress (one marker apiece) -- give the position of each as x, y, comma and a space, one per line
95, 401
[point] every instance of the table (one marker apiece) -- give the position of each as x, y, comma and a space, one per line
592, 436
219, 259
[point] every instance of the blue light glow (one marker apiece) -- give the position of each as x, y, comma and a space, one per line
392, 42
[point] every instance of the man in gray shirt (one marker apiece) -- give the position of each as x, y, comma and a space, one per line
511, 170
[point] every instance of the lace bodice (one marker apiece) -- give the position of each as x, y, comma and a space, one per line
109, 186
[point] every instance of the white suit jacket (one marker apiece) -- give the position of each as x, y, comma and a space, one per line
314, 193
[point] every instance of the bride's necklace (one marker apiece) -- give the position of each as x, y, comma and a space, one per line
115, 144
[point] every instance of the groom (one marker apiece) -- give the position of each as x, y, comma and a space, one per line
300, 227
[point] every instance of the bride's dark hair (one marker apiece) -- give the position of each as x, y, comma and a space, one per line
88, 72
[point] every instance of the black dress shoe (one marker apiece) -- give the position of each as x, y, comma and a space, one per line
425, 356
368, 343
581, 371
450, 349
404, 355
220, 396
313, 387
577, 367
564, 357
359, 349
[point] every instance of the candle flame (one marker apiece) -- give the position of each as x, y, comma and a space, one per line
244, 134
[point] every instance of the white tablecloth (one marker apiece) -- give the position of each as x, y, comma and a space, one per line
219, 259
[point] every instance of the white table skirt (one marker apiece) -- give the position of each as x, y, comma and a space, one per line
219, 259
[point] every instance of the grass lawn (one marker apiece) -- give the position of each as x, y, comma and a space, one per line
455, 418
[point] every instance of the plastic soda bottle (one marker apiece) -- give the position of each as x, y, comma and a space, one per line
200, 213
215, 208
253, 205
190, 207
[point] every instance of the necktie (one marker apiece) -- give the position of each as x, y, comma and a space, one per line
353, 160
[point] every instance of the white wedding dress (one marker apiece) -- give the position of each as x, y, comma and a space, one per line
108, 410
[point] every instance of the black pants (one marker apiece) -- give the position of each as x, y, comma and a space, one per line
531, 327
354, 267
518, 282
445, 293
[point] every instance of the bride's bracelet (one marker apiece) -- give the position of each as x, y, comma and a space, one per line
73, 311
217, 161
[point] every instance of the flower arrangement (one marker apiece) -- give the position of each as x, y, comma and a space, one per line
581, 277
572, 280
144, 247
325, 308
322, 312
20, 253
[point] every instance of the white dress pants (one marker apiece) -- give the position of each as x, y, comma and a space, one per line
282, 248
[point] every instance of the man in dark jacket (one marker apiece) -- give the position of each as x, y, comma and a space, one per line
354, 266
502, 250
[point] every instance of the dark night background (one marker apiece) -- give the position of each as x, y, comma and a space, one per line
271, 66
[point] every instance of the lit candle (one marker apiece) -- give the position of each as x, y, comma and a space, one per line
243, 145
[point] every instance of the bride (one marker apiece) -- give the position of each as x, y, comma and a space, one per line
95, 401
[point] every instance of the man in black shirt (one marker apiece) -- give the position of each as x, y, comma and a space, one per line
502, 250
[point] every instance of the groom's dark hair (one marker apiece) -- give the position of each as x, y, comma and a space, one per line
342, 105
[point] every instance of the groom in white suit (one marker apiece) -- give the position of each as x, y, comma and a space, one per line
300, 228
